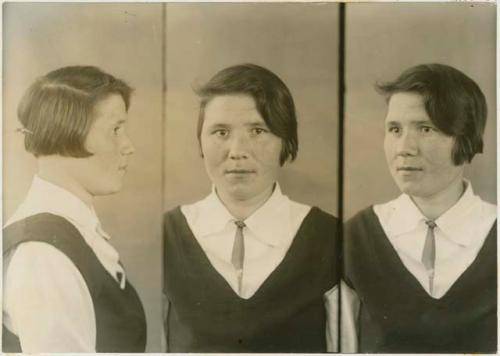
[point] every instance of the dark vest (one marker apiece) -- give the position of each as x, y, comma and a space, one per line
397, 314
120, 319
286, 314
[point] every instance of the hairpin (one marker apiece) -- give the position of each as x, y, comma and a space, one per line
24, 130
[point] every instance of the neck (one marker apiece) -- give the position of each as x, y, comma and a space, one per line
436, 205
53, 169
243, 208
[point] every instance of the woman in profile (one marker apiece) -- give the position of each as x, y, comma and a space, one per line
64, 288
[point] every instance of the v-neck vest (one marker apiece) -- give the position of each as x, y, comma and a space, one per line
119, 315
397, 315
286, 314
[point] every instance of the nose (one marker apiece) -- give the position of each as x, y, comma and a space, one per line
407, 144
238, 147
127, 147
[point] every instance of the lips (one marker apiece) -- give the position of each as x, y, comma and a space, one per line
409, 169
239, 171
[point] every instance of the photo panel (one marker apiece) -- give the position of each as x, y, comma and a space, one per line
299, 44
125, 41
420, 179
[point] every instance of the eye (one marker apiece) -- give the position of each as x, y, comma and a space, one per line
221, 133
116, 130
258, 131
427, 129
394, 130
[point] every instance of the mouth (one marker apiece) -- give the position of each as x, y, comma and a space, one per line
239, 171
408, 169
123, 168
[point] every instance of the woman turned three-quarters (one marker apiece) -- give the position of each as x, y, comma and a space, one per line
421, 270
64, 289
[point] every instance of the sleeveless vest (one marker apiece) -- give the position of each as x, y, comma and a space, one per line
397, 315
119, 315
286, 314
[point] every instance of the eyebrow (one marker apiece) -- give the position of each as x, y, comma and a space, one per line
256, 124
218, 125
393, 122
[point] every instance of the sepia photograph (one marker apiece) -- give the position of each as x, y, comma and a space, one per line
249, 177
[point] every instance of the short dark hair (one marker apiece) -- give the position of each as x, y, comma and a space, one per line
57, 110
453, 101
272, 98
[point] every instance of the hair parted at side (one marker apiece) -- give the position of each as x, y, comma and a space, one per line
57, 110
453, 101
273, 101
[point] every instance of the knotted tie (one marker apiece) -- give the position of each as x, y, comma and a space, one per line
429, 253
238, 255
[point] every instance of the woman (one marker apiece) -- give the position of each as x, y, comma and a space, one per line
64, 287
421, 270
246, 268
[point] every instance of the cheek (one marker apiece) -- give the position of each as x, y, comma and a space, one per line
388, 149
105, 160
268, 152
439, 155
213, 152
103, 145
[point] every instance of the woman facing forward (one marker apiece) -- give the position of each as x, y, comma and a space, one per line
246, 268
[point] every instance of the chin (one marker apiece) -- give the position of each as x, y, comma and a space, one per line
409, 188
239, 193
108, 190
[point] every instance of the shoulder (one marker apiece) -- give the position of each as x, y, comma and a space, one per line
483, 216
36, 258
173, 220
487, 210
362, 226
322, 217
175, 226
361, 218
321, 226
172, 216
42, 222
44, 227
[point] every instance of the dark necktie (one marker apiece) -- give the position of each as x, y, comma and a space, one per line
429, 252
238, 255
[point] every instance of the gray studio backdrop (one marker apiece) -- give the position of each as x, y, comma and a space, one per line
299, 43
125, 40
381, 41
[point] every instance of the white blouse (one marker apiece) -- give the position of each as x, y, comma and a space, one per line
46, 302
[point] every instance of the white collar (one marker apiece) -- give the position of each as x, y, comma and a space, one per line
46, 197
457, 223
213, 217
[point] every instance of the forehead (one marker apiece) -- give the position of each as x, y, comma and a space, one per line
406, 107
231, 109
109, 111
